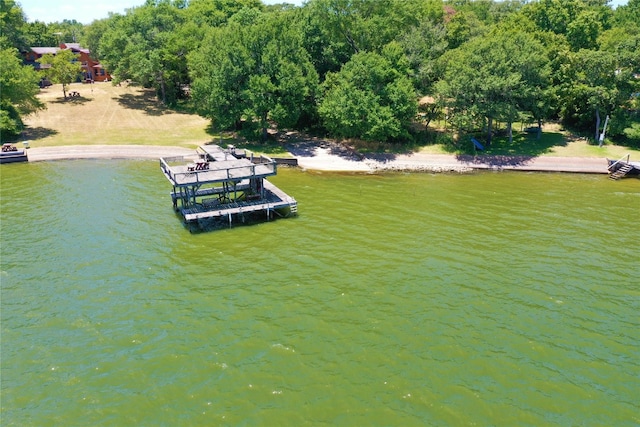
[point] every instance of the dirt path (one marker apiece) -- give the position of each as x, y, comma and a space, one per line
318, 156
72, 152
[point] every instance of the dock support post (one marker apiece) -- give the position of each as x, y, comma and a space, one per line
229, 219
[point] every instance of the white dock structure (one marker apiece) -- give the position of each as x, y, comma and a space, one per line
218, 185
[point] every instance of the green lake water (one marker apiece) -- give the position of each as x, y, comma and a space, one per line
506, 299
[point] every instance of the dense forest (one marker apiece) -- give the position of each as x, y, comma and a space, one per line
362, 69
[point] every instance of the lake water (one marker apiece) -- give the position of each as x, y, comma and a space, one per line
399, 300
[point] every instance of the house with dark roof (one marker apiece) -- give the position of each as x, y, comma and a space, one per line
92, 70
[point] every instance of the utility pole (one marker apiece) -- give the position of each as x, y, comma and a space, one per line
604, 129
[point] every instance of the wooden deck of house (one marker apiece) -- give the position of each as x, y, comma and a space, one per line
219, 184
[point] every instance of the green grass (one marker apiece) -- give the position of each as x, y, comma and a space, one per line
113, 115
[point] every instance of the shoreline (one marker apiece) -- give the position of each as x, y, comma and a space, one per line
315, 156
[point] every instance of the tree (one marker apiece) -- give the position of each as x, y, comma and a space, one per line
583, 32
143, 46
40, 34
255, 71
12, 22
553, 15
93, 33
461, 26
596, 84
64, 67
213, 13
423, 45
219, 70
370, 98
18, 96
628, 15
494, 78
337, 29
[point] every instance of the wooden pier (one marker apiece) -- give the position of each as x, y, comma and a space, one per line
217, 186
623, 167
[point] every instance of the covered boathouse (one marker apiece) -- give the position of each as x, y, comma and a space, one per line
217, 186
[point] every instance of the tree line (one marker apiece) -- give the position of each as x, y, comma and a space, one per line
357, 68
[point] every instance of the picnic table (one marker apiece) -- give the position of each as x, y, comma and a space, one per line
74, 93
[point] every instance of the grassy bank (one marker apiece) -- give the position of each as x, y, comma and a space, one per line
111, 115
104, 114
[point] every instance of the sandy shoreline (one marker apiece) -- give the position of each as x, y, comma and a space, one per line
315, 156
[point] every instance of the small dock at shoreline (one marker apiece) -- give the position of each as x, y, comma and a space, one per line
10, 154
623, 168
217, 186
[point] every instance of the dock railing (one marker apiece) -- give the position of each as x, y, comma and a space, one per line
165, 166
232, 173
628, 156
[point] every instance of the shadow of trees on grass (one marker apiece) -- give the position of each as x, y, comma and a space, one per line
145, 101
523, 145
74, 100
36, 133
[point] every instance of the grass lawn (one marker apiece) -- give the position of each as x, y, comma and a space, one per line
555, 141
104, 114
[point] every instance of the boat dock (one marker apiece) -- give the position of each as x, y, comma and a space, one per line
10, 154
622, 168
218, 186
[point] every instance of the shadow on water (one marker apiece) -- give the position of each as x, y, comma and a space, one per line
249, 219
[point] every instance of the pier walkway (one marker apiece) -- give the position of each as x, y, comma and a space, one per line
314, 156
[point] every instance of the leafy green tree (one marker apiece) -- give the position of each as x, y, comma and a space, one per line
283, 80
553, 15
489, 12
213, 13
220, 71
494, 78
93, 33
596, 84
370, 25
39, 34
12, 21
18, 96
462, 26
337, 29
423, 45
627, 15
370, 98
589, 87
258, 72
583, 32
64, 68
143, 46
67, 31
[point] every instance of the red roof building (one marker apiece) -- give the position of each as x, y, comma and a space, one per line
92, 70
